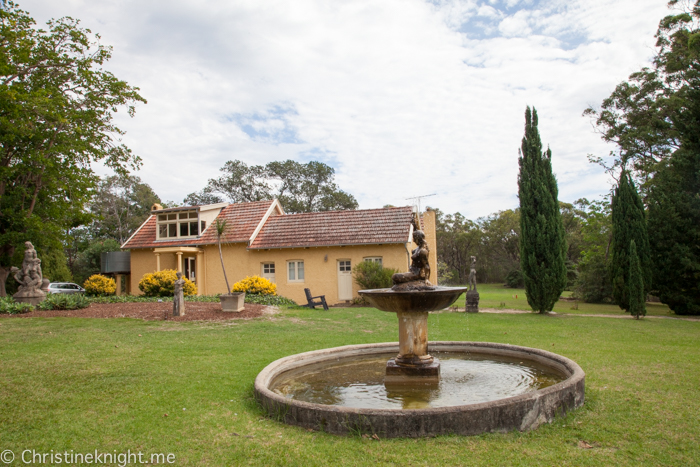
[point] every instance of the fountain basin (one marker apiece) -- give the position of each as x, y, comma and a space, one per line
522, 412
413, 300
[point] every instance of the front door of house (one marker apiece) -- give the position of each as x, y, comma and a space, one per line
344, 280
190, 269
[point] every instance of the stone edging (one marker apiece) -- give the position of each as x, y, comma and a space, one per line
523, 412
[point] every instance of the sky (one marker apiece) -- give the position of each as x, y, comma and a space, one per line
402, 98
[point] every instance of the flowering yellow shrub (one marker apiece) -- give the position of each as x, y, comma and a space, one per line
255, 285
98, 284
161, 284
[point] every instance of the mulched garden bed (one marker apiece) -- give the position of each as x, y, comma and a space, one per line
152, 311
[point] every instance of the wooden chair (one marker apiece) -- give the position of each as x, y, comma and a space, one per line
312, 303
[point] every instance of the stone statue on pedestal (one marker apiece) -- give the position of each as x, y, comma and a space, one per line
472, 294
179, 297
29, 278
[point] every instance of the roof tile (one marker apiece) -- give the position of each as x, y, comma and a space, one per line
241, 221
361, 227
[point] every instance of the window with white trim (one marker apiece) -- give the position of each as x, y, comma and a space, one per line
374, 259
268, 271
295, 271
183, 224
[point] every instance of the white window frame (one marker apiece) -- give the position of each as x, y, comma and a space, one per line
296, 269
344, 261
176, 219
374, 259
274, 269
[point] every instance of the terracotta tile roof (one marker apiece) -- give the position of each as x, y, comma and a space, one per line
362, 227
242, 220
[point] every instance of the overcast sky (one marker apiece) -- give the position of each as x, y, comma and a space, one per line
402, 97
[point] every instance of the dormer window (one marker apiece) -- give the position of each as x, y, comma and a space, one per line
183, 224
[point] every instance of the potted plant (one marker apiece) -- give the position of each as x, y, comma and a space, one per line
229, 301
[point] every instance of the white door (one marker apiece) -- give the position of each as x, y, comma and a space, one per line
268, 271
190, 269
344, 280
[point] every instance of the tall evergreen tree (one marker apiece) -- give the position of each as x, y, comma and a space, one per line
636, 284
628, 223
542, 243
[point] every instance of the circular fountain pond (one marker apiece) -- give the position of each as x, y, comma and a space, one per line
483, 387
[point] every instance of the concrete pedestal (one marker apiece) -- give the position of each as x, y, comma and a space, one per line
413, 364
32, 300
427, 374
472, 302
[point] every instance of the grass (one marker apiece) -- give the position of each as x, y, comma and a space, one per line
107, 384
498, 296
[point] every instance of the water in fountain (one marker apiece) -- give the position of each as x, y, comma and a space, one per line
464, 379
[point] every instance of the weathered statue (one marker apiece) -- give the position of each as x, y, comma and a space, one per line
472, 300
29, 278
418, 274
179, 296
472, 275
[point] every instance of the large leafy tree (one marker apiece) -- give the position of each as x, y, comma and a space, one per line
121, 204
299, 187
674, 219
639, 115
628, 224
653, 117
56, 109
542, 242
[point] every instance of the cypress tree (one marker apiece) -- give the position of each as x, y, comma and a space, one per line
542, 243
628, 223
635, 287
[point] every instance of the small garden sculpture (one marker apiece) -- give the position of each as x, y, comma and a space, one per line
179, 297
29, 278
472, 294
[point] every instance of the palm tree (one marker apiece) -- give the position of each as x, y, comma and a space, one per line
220, 228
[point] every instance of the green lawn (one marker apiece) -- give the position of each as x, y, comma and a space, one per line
107, 384
498, 296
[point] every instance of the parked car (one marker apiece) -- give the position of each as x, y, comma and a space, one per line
65, 287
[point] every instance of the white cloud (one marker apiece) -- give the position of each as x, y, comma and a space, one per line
400, 96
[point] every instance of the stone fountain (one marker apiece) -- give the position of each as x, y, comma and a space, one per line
412, 297
373, 389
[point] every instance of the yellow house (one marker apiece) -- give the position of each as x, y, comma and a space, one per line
296, 251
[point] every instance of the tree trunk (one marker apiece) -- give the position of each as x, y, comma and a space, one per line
4, 274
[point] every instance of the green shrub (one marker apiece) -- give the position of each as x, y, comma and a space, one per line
272, 300
64, 302
98, 284
371, 275
8, 306
161, 284
514, 279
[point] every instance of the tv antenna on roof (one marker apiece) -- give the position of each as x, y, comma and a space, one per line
417, 199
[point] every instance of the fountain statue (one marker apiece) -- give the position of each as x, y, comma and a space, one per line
29, 278
369, 388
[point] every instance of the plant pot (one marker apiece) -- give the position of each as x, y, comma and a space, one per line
233, 302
